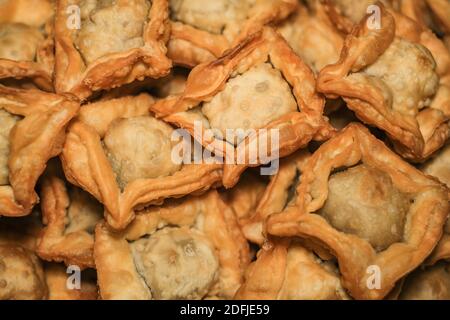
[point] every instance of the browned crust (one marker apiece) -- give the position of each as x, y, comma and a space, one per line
441, 9
425, 220
264, 277
415, 138
271, 276
342, 23
39, 71
115, 266
35, 139
441, 252
19, 11
86, 165
53, 245
116, 69
275, 197
189, 46
296, 129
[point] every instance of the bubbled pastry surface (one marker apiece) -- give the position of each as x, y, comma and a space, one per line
109, 26
140, 148
363, 201
176, 263
7, 122
250, 101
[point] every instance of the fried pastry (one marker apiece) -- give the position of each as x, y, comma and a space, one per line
432, 283
21, 274
312, 35
374, 77
441, 10
203, 31
286, 270
245, 196
277, 196
379, 216
189, 248
411, 23
439, 167
32, 132
35, 13
119, 153
26, 52
106, 44
69, 215
249, 91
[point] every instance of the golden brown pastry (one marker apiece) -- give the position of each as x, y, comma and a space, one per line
106, 44
35, 13
379, 216
439, 167
374, 77
428, 13
286, 270
203, 30
69, 215
245, 196
190, 248
441, 10
312, 35
26, 44
249, 89
57, 278
432, 283
32, 132
412, 22
277, 196
21, 274
26, 52
118, 152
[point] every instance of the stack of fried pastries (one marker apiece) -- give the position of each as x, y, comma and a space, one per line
197, 149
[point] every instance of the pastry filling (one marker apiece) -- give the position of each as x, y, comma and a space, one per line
7, 121
21, 274
211, 16
140, 148
19, 42
176, 263
249, 101
355, 10
430, 284
83, 213
406, 72
363, 201
111, 26
439, 167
